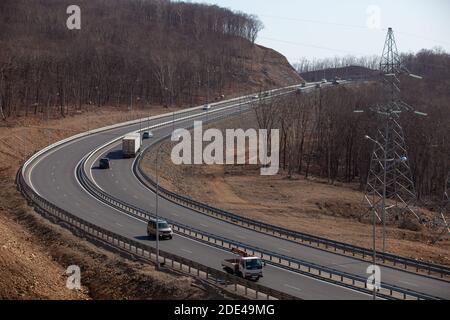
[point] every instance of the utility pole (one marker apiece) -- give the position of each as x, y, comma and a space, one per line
390, 188
157, 205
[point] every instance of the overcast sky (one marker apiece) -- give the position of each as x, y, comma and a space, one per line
326, 28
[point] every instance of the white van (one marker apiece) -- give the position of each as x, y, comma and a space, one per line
165, 231
207, 107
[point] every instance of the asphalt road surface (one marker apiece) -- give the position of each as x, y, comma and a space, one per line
53, 176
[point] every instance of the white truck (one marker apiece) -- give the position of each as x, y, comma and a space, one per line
131, 144
245, 266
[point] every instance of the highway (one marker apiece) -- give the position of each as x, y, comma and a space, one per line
52, 175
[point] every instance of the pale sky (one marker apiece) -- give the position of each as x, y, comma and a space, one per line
328, 28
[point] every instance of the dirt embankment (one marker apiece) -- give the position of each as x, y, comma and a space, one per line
312, 206
34, 253
269, 69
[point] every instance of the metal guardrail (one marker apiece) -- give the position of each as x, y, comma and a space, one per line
83, 228
116, 241
303, 238
358, 283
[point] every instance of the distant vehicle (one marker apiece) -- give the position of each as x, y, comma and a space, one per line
324, 80
207, 107
303, 84
318, 86
147, 135
104, 164
335, 82
164, 230
245, 266
255, 97
131, 144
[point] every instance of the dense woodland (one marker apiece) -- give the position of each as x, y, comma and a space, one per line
321, 135
162, 52
127, 52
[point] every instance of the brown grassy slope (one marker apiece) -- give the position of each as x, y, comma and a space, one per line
269, 69
312, 206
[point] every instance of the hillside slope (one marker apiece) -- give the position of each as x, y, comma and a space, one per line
128, 53
130, 59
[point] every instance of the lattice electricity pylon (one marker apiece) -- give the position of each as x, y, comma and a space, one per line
444, 219
390, 191
390, 167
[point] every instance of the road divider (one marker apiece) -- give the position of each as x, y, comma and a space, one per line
115, 242
327, 274
128, 246
389, 260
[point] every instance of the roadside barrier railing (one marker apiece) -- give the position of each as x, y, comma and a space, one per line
404, 263
82, 228
355, 282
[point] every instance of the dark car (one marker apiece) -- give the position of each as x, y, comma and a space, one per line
104, 164
147, 135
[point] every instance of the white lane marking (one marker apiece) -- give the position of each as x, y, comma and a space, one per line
46, 152
282, 269
187, 251
175, 214
240, 237
204, 225
408, 283
118, 224
285, 250
292, 287
220, 249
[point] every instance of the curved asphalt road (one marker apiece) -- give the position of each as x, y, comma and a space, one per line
52, 176
121, 183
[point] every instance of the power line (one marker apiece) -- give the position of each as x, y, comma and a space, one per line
314, 46
352, 26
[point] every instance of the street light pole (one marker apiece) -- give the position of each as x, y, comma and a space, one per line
384, 185
157, 207
374, 262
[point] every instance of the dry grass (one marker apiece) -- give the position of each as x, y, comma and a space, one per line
312, 206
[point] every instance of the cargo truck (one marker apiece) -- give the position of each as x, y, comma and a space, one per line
244, 266
131, 144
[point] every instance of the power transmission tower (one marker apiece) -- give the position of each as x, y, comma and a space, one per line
442, 221
390, 192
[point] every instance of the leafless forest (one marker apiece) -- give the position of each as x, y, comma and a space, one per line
126, 52
321, 135
144, 52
